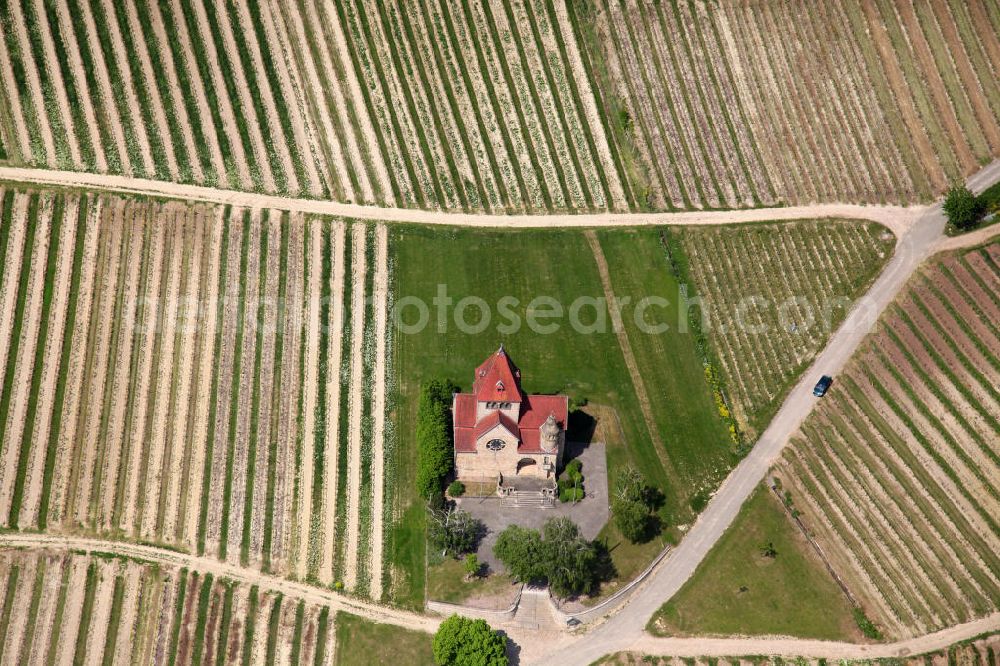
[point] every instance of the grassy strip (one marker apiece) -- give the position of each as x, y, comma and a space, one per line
15, 336
175, 61
107, 138
152, 393
234, 390
32, 617
935, 421
114, 622
249, 70
47, 88
648, 85
353, 119
126, 113
934, 454
920, 368
133, 380
57, 618
597, 80
446, 75
744, 122
175, 625
8, 606
320, 97
300, 406
228, 72
147, 36
366, 500
255, 394
921, 96
224, 625
187, 242
884, 95
533, 92
27, 435
699, 34
17, 68
73, 97
86, 615
272, 630
139, 635
319, 431
861, 406
104, 436
686, 94
383, 77
195, 382
201, 619
141, 87
497, 48
6, 221
578, 102
463, 70
357, 53
319, 658
297, 635
557, 101
459, 184
276, 393
207, 87
250, 621
277, 94
214, 398
343, 434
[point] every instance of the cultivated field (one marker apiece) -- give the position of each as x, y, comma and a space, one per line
211, 379
471, 105
773, 294
750, 102
70, 608
984, 651
898, 472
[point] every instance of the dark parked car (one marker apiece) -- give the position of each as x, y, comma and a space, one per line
822, 386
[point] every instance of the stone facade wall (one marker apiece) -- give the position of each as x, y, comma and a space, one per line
487, 465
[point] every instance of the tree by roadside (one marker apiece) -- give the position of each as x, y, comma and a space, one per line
963, 208
461, 641
558, 555
634, 507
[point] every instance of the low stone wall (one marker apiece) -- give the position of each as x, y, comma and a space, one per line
492, 616
611, 603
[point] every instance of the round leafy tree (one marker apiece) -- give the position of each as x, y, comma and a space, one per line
461, 641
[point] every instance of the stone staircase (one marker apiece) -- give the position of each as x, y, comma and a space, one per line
528, 498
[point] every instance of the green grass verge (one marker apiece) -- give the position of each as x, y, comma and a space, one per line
32, 617
272, 630
276, 394
48, 289
201, 619
114, 622
224, 625
737, 590
322, 631
251, 622
86, 614
15, 336
8, 605
360, 643
178, 616
235, 387
297, 635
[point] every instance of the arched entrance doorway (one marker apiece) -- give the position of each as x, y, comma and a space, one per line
525, 462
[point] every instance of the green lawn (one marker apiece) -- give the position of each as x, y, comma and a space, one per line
360, 643
525, 265
446, 582
737, 590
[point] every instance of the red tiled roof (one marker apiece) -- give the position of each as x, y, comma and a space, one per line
494, 419
464, 410
536, 408
497, 379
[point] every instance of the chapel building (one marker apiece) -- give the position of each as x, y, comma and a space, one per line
500, 432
